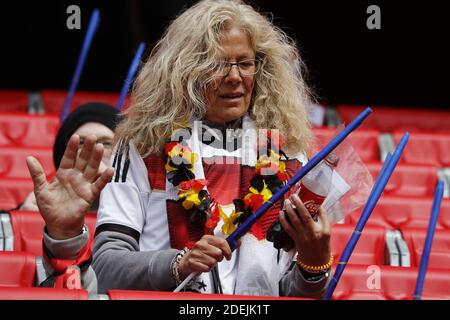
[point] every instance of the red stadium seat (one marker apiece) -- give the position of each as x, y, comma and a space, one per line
370, 248
390, 119
28, 227
20, 129
164, 295
395, 212
42, 294
408, 180
13, 192
13, 100
396, 283
426, 148
13, 161
440, 250
54, 99
365, 142
17, 269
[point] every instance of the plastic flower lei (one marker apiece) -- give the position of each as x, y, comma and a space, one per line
270, 175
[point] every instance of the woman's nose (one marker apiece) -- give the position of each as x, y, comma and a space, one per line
234, 75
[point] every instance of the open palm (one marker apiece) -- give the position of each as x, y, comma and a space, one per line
64, 201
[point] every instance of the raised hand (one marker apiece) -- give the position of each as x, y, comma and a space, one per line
77, 184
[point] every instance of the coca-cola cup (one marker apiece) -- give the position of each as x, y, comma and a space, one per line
312, 190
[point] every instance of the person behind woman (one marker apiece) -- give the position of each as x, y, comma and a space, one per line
81, 153
181, 187
93, 118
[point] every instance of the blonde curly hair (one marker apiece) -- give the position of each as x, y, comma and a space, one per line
171, 86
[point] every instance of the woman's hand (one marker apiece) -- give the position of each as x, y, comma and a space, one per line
312, 239
64, 201
205, 254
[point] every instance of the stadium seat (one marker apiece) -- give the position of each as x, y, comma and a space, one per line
13, 100
13, 161
13, 192
426, 148
390, 119
17, 269
394, 212
440, 250
54, 99
19, 129
28, 227
365, 142
408, 179
360, 282
42, 294
370, 248
164, 295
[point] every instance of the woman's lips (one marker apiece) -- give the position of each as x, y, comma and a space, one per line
232, 98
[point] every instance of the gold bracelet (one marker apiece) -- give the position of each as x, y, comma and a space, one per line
321, 268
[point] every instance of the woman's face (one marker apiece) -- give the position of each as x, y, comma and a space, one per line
228, 97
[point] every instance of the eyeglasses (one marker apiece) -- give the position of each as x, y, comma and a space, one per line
247, 68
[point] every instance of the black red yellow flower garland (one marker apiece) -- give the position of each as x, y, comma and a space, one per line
270, 175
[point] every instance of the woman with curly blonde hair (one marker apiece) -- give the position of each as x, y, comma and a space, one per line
217, 124
171, 87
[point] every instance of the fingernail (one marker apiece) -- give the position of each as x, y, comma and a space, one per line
287, 202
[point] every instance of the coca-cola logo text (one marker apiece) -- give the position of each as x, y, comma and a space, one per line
311, 206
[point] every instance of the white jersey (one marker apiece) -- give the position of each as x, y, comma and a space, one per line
129, 201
